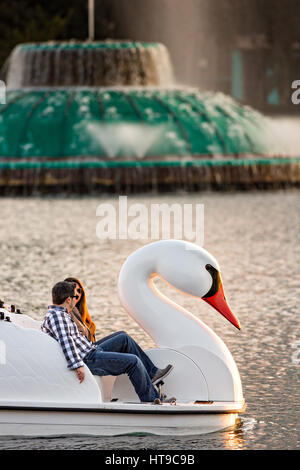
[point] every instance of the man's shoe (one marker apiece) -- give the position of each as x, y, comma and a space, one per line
161, 374
158, 401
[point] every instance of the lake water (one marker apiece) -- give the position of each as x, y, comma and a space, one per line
254, 236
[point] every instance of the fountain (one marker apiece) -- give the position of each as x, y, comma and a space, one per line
92, 64
107, 116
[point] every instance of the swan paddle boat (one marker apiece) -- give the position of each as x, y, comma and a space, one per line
40, 396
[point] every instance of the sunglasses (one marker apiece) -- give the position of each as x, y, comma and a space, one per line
74, 297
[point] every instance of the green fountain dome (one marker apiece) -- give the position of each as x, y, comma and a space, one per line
128, 123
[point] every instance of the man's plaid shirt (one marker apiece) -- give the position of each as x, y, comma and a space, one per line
58, 324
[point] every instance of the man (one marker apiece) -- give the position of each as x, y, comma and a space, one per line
114, 355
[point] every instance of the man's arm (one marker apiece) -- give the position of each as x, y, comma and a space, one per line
60, 329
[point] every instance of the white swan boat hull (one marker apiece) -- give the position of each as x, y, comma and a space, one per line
114, 419
39, 396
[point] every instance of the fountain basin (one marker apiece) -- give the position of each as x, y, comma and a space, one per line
94, 116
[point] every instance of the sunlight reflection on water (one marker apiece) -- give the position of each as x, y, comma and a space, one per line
254, 238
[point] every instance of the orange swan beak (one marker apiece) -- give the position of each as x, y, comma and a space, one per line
219, 302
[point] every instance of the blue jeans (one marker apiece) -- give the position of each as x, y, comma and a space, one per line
119, 354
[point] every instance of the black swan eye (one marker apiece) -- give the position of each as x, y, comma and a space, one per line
216, 281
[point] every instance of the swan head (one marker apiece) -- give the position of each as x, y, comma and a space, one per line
194, 271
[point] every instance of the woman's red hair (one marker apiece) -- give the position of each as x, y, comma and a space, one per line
82, 307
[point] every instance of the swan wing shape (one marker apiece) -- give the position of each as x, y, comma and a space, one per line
33, 370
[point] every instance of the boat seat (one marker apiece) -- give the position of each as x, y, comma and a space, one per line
104, 383
33, 370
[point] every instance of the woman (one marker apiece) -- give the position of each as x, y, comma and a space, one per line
80, 313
